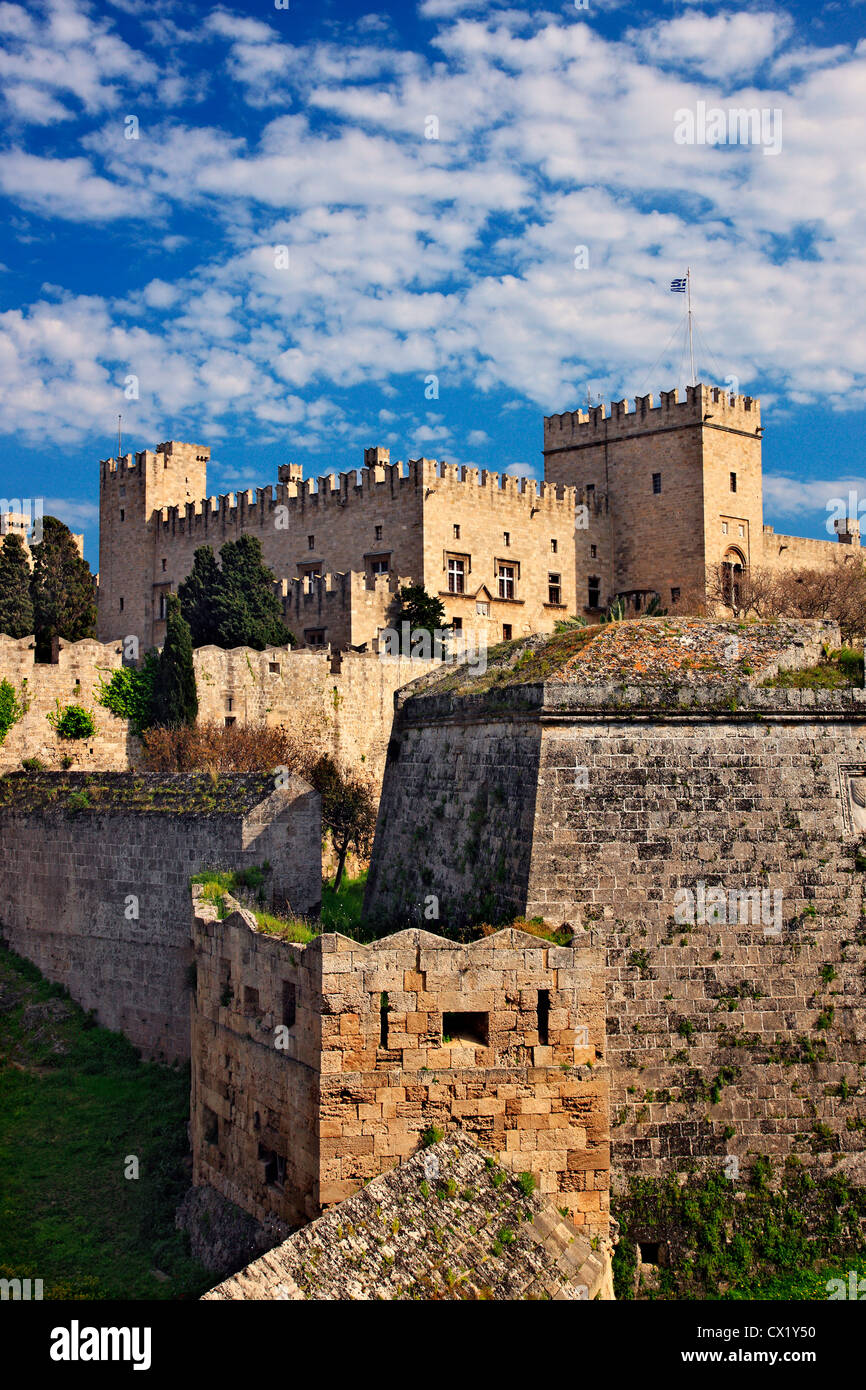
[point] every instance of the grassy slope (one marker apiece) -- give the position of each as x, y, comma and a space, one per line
68, 1121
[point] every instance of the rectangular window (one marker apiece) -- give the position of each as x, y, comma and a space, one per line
554, 590
290, 1001
457, 624
311, 542
469, 1028
164, 565
733, 482
230, 719
675, 595
482, 608
590, 491
315, 637
378, 533
274, 668
506, 632
593, 592
506, 581
657, 482
553, 547
122, 514
593, 552
456, 575
724, 528
456, 533
229, 703
741, 530
384, 1008
274, 1165
251, 1002
162, 605
506, 537
121, 605
379, 566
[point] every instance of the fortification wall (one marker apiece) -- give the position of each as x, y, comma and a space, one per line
803, 552
350, 708
74, 679
726, 1038
98, 897
379, 1046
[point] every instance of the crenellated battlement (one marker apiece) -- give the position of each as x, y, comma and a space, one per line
703, 404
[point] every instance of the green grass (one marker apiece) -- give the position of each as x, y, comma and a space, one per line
838, 671
247, 886
342, 911
68, 1121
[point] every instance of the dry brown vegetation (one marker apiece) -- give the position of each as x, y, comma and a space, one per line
349, 798
837, 593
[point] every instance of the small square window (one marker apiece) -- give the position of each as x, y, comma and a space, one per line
230, 719
657, 482
315, 637
457, 624
274, 668
482, 608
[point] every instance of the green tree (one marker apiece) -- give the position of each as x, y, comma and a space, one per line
247, 611
421, 610
16, 605
175, 701
348, 808
197, 594
62, 589
233, 606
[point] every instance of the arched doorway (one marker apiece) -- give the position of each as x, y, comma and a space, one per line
733, 569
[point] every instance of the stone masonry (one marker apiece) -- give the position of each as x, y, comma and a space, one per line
94, 887
738, 1030
502, 1038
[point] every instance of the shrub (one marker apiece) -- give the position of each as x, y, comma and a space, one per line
129, 693
72, 721
10, 709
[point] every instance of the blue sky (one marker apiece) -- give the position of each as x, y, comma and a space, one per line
308, 128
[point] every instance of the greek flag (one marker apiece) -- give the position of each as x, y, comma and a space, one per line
678, 286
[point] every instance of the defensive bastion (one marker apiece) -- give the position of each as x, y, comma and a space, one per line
609, 778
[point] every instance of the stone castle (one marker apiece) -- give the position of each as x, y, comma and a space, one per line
634, 503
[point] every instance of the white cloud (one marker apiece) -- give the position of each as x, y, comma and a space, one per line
64, 188
477, 437
721, 46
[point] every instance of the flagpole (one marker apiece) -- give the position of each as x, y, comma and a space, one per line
691, 344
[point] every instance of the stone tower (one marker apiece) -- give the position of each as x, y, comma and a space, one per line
668, 490
131, 489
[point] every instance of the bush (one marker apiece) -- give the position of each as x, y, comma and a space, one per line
10, 709
71, 722
129, 693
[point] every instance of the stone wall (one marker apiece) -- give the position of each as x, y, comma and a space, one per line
96, 892
503, 1038
346, 699
726, 1038
73, 679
